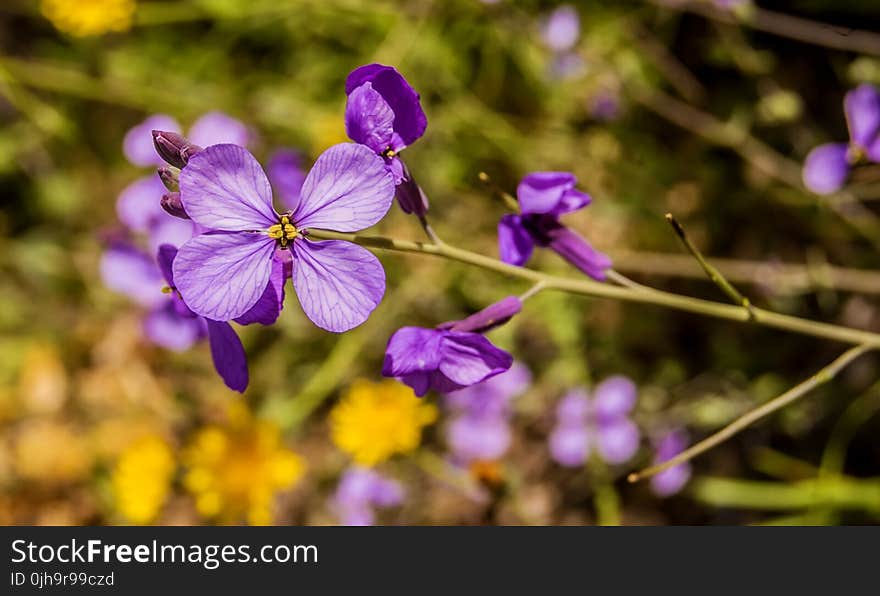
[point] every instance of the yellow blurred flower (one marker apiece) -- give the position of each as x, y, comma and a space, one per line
142, 478
89, 17
42, 384
373, 421
49, 452
327, 130
235, 471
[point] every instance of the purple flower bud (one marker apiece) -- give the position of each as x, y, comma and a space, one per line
490, 317
562, 29
826, 168
669, 482
168, 176
410, 196
172, 205
174, 148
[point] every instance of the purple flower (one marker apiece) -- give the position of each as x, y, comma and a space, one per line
452, 356
670, 481
604, 106
384, 113
360, 491
603, 422
287, 176
480, 428
214, 128
827, 166
562, 29
138, 144
543, 197
222, 273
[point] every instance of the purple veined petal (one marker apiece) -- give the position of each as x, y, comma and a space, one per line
221, 276
166, 328
165, 257
614, 397
573, 409
369, 119
562, 29
409, 118
618, 440
347, 190
826, 168
138, 142
287, 176
862, 109
133, 273
168, 229
570, 445
138, 204
228, 355
515, 244
469, 358
268, 308
215, 128
397, 170
224, 188
338, 283
472, 439
542, 192
413, 350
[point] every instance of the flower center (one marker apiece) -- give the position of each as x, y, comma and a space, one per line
283, 232
389, 153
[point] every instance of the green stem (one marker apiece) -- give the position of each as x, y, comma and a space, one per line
587, 287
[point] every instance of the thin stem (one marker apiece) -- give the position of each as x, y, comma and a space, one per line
624, 281
796, 392
429, 231
714, 275
587, 287
532, 291
509, 201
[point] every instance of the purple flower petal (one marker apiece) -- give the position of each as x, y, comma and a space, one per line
671, 481
138, 143
618, 440
369, 118
492, 316
338, 283
826, 168
221, 276
170, 230
411, 350
469, 358
215, 128
165, 257
228, 354
287, 176
550, 192
348, 189
409, 119
491, 397
575, 249
268, 307
224, 188
562, 29
166, 328
614, 398
862, 109
138, 204
515, 244
129, 271
474, 438
570, 445
573, 409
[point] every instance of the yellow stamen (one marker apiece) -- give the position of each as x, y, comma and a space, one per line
284, 231
167, 290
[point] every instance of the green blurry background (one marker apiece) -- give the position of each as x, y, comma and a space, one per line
714, 120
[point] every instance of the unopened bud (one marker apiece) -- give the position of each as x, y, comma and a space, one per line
410, 196
174, 148
168, 175
172, 205
490, 317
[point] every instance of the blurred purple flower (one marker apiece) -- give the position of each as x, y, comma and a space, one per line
602, 422
287, 176
360, 491
452, 356
561, 29
384, 113
604, 106
223, 273
670, 481
480, 427
827, 166
543, 197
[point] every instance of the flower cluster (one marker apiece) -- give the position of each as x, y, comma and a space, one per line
828, 166
142, 478
602, 422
